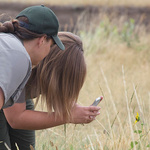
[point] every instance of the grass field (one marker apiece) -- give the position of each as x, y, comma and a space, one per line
88, 2
118, 61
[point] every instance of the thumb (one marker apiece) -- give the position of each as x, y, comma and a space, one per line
94, 108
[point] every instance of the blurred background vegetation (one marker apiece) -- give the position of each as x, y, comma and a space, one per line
87, 2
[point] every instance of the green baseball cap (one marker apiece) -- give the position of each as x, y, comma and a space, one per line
42, 20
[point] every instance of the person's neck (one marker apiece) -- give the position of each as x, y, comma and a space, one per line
30, 47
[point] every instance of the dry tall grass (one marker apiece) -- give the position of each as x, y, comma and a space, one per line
119, 69
120, 72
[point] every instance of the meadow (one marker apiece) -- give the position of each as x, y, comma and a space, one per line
118, 68
118, 62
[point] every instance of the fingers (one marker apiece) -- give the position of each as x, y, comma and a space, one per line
91, 116
93, 108
83, 114
92, 112
90, 119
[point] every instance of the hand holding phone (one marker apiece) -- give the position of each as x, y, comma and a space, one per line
97, 101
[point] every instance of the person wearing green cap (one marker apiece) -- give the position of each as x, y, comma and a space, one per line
58, 79
24, 42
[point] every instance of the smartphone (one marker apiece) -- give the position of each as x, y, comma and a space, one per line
97, 101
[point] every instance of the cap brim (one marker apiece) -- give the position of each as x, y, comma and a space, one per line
58, 42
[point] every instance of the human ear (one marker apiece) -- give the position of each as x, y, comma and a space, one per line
41, 40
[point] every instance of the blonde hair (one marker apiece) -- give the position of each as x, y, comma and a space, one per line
60, 76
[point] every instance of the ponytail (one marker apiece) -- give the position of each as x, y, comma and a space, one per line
7, 27
14, 27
